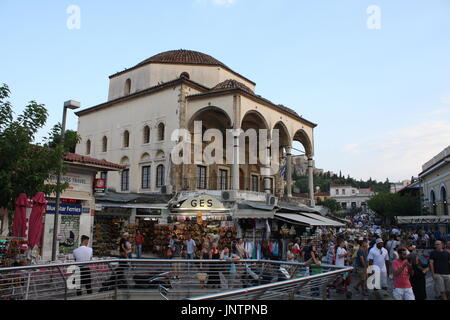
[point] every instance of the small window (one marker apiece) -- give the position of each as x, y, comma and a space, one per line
223, 179
88, 147
255, 183
146, 134
145, 177
161, 129
125, 181
343, 191
126, 139
104, 144
201, 177
159, 176
337, 191
185, 75
127, 88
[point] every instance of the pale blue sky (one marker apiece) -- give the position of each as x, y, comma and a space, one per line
381, 97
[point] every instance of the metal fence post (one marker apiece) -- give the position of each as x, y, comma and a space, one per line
115, 280
65, 282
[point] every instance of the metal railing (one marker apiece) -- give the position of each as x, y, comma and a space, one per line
167, 279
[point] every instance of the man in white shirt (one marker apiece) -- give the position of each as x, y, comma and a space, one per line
190, 247
341, 254
83, 254
379, 256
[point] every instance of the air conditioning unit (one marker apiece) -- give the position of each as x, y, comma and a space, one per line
271, 200
229, 195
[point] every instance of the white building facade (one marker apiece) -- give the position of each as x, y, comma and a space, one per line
349, 197
170, 91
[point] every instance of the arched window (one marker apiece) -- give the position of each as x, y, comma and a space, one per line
159, 176
185, 75
146, 134
433, 202
88, 147
127, 88
104, 144
161, 129
125, 175
444, 200
125, 180
126, 139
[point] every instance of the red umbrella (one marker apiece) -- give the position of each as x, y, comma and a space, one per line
20, 216
35, 225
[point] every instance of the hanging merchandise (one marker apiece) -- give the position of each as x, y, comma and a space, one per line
292, 232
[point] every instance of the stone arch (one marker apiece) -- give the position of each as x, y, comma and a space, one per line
159, 154
125, 161
302, 137
145, 157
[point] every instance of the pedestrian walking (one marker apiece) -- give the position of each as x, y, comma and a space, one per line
214, 278
402, 271
82, 254
440, 270
139, 241
190, 247
418, 278
379, 256
361, 267
125, 246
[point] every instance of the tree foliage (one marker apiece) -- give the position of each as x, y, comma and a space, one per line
71, 138
25, 166
389, 205
325, 179
331, 204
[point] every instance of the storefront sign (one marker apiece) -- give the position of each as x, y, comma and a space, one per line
100, 185
77, 182
202, 203
65, 208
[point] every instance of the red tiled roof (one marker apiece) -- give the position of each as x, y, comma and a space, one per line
231, 84
184, 57
74, 157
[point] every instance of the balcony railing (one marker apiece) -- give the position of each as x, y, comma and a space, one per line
167, 279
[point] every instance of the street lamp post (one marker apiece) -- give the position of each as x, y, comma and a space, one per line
67, 105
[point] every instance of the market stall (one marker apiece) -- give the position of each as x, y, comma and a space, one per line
199, 217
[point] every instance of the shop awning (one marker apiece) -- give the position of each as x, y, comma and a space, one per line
423, 219
255, 205
295, 208
253, 214
295, 218
324, 219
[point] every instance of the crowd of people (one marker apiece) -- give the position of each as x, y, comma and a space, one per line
388, 255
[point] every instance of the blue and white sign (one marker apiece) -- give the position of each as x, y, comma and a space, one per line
65, 208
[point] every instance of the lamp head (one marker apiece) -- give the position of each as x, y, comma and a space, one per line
71, 104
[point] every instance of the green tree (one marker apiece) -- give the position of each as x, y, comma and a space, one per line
25, 167
331, 204
71, 138
389, 205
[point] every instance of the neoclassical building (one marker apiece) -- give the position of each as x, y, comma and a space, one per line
435, 183
172, 90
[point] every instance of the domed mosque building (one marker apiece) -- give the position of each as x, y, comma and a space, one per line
137, 127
